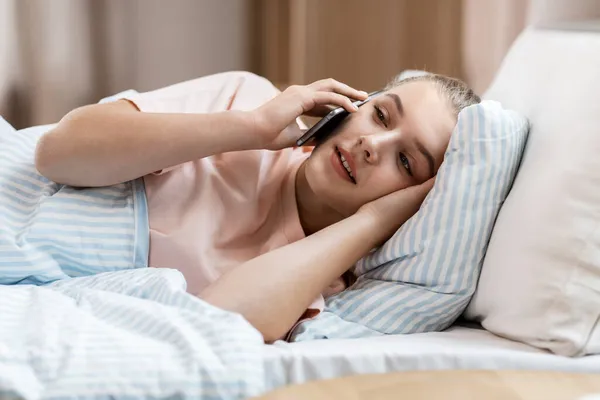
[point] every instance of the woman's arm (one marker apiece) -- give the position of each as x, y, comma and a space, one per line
105, 144
273, 290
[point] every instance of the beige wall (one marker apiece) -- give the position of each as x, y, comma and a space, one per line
489, 29
547, 11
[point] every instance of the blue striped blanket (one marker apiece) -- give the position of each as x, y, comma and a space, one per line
133, 334
80, 318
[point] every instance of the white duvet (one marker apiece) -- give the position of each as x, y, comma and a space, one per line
131, 334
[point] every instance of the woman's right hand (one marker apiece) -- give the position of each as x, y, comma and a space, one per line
390, 212
275, 121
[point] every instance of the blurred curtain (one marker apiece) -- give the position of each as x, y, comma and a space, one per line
363, 43
56, 55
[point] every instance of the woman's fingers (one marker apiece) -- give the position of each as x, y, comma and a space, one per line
330, 98
331, 85
320, 111
398, 206
412, 196
328, 94
316, 99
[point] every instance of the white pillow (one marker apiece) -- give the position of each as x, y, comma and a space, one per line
540, 282
423, 277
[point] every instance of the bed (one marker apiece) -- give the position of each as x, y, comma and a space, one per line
460, 347
544, 62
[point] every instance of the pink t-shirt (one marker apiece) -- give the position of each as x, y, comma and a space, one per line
211, 215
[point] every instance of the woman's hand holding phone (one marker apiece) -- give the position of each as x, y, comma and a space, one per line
275, 121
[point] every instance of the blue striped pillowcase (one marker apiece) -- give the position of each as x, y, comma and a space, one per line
424, 276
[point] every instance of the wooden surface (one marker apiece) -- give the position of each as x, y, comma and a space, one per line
448, 385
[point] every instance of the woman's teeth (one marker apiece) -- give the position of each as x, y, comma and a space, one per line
346, 165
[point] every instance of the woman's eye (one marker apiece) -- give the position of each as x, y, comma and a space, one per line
405, 163
380, 115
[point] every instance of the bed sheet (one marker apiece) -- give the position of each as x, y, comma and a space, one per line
457, 348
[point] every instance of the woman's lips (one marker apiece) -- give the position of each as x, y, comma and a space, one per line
350, 162
338, 167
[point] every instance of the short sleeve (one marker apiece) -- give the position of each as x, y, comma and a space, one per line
209, 94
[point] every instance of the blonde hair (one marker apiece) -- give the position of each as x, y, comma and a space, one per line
458, 93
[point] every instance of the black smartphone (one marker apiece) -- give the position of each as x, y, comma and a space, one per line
328, 123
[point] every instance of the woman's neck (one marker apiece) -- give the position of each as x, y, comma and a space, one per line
314, 214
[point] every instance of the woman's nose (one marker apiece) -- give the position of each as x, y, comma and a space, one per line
369, 148
374, 145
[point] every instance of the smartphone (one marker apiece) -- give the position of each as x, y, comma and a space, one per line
328, 123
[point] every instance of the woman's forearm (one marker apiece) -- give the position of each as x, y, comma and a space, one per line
273, 290
105, 144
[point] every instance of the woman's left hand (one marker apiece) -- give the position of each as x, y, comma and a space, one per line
389, 212
275, 121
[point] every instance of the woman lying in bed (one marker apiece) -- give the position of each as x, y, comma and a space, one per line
257, 226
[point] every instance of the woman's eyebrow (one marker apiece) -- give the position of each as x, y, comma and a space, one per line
398, 102
428, 157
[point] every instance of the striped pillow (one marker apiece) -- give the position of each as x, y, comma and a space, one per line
424, 276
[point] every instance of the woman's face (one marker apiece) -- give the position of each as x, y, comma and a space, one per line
396, 140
